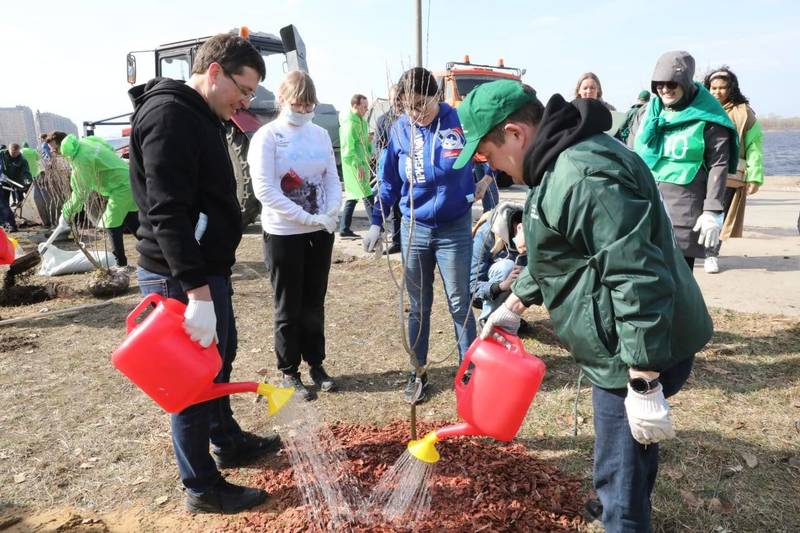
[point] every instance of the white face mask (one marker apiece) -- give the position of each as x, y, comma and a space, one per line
298, 119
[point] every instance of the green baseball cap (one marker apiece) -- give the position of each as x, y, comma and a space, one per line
485, 107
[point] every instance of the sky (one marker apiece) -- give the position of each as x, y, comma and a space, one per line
70, 57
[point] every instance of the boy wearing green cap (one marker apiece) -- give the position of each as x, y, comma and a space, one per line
603, 261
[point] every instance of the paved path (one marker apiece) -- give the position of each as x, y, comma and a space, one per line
760, 273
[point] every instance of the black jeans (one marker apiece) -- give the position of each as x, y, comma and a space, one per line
397, 220
131, 223
6, 215
350, 206
195, 426
298, 268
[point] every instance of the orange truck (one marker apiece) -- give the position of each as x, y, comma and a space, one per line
459, 78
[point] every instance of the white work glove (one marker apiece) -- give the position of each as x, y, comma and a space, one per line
326, 221
333, 212
62, 226
504, 318
372, 237
200, 321
709, 225
648, 416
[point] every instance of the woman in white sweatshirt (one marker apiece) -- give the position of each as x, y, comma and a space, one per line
295, 179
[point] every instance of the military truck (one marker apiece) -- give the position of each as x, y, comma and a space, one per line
281, 54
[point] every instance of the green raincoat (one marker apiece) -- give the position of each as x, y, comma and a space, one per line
32, 157
356, 152
96, 167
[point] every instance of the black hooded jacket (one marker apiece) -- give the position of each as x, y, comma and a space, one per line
563, 124
180, 167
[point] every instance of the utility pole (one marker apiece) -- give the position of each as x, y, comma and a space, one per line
418, 29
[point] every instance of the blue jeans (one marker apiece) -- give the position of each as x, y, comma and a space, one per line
624, 470
498, 272
491, 198
6, 214
449, 247
350, 207
195, 426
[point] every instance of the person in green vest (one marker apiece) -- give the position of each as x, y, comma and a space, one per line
32, 157
97, 168
603, 262
690, 145
356, 153
723, 84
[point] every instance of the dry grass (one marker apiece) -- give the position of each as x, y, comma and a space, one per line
83, 437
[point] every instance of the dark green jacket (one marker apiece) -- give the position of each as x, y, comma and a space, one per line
603, 260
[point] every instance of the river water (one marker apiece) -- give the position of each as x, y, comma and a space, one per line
782, 153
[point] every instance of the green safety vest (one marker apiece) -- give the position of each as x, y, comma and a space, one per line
681, 155
672, 142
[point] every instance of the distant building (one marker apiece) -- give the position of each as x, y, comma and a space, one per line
47, 122
17, 125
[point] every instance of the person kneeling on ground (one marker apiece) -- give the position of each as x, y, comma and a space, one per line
603, 260
498, 256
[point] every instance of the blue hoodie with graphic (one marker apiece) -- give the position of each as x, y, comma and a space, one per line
440, 194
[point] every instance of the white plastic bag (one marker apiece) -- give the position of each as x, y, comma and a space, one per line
56, 262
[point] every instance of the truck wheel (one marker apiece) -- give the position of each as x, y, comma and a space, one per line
238, 143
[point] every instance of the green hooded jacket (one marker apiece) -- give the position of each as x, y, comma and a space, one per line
96, 167
356, 152
32, 157
603, 261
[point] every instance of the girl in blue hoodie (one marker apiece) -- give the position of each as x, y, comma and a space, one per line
436, 202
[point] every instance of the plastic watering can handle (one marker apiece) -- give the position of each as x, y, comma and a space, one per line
151, 299
511, 339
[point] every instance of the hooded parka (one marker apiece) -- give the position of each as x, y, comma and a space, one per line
690, 147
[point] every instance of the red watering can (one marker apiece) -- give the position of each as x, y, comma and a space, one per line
162, 360
6, 249
495, 398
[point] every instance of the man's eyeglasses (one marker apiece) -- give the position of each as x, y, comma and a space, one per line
670, 85
248, 95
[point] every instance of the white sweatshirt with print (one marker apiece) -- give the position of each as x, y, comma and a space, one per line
294, 173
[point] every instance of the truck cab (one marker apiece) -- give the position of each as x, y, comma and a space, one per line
459, 78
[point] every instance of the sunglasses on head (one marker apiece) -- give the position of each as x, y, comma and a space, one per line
671, 85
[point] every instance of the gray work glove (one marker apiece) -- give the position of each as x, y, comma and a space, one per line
504, 318
372, 237
326, 221
648, 416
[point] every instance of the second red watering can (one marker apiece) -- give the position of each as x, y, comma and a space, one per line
175, 371
493, 400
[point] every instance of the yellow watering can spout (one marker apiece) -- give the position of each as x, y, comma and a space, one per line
276, 396
424, 449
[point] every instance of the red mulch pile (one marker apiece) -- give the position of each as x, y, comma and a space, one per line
478, 485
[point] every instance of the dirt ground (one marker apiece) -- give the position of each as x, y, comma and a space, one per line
82, 449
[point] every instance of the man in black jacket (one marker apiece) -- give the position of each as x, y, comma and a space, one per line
183, 183
15, 168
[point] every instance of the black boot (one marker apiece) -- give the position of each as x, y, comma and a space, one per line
321, 379
293, 380
225, 498
248, 449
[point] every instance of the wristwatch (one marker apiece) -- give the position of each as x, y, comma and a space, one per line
643, 386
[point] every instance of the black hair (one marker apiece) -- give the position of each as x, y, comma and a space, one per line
232, 52
419, 81
724, 72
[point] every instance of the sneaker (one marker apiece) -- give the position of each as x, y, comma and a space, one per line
393, 249
248, 449
10, 229
593, 509
349, 234
321, 379
225, 498
293, 380
413, 393
711, 265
